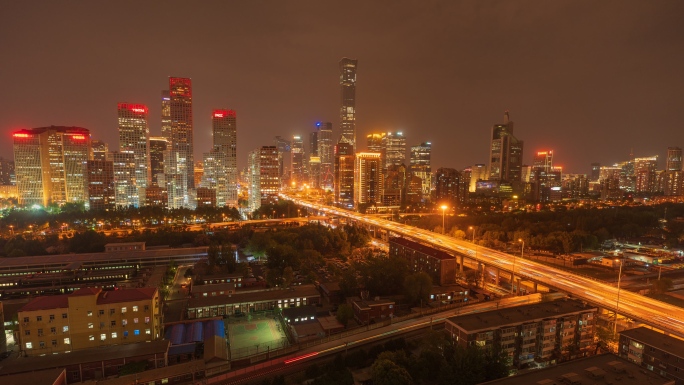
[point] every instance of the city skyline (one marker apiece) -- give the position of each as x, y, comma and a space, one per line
566, 92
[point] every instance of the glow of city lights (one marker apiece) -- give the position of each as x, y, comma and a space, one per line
20, 135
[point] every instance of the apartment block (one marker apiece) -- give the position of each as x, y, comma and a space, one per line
654, 351
88, 318
438, 264
535, 335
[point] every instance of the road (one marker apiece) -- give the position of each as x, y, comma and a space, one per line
668, 318
305, 356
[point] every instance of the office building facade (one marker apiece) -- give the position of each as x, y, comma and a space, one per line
348, 96
420, 165
134, 138
505, 153
180, 171
368, 178
100, 179
326, 151
344, 175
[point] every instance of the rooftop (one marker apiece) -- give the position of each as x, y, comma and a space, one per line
518, 315
42, 377
601, 369
255, 296
421, 248
29, 364
660, 341
104, 297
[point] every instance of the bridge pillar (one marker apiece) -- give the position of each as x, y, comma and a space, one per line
517, 286
534, 285
460, 263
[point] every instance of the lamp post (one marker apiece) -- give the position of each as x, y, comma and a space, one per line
444, 207
471, 228
617, 302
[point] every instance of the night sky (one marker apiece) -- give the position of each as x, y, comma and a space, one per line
588, 79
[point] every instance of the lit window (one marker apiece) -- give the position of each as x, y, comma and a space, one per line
124, 322
65, 329
123, 309
90, 313
135, 320
103, 337
125, 333
148, 331
67, 341
90, 326
136, 332
29, 345
91, 337
114, 335
147, 320
135, 308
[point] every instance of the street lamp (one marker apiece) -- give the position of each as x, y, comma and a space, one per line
617, 304
471, 228
444, 207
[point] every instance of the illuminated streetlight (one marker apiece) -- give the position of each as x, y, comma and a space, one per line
444, 207
471, 228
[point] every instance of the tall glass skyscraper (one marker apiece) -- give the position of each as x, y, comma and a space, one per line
348, 109
134, 139
181, 178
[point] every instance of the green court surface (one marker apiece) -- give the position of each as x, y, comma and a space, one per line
253, 337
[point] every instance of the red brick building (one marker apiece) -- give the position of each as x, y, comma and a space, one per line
371, 311
439, 265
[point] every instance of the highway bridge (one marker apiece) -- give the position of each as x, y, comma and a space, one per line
663, 316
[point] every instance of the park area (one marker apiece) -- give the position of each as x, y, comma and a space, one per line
254, 334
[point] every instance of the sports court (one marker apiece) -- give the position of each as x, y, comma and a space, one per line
253, 336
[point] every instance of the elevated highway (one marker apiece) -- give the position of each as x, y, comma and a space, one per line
668, 318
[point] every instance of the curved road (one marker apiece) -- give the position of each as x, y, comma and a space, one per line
663, 316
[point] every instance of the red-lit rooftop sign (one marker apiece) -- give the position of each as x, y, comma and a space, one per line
224, 113
137, 108
78, 137
20, 135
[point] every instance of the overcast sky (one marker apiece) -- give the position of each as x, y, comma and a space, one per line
589, 79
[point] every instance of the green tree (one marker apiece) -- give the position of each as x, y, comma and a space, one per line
417, 288
386, 372
344, 314
288, 276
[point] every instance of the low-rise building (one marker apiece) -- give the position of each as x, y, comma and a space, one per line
654, 351
124, 246
448, 294
371, 311
331, 292
532, 335
440, 265
88, 318
212, 290
242, 303
599, 369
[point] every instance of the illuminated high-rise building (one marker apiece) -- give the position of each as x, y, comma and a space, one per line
180, 176
166, 114
394, 145
674, 159
348, 108
449, 186
125, 192
100, 179
595, 172
344, 175
505, 153
314, 161
158, 146
7, 175
477, 173
134, 138
368, 177
420, 166
99, 149
264, 178
325, 153
645, 174
297, 161
374, 142
394, 186
220, 164
284, 147
50, 165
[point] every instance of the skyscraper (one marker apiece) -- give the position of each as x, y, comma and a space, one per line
394, 144
505, 153
420, 166
50, 164
325, 153
100, 179
253, 180
374, 142
477, 173
595, 172
125, 192
448, 185
348, 108
344, 175
284, 147
158, 146
181, 175
166, 114
297, 160
134, 138
100, 149
269, 178
7, 176
368, 178
220, 164
674, 159
314, 161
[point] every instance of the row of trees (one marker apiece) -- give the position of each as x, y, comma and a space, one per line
564, 231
